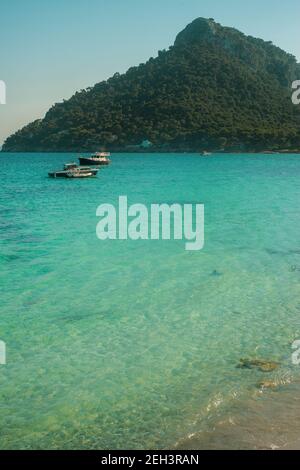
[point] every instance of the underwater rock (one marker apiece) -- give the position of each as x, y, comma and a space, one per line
267, 384
262, 365
268, 366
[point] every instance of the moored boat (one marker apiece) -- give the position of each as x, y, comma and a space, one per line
72, 170
98, 158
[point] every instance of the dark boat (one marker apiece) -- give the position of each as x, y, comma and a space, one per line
72, 170
98, 158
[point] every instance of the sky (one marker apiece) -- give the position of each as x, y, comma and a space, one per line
51, 48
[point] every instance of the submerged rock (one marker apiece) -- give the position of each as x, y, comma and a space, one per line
261, 364
267, 384
268, 366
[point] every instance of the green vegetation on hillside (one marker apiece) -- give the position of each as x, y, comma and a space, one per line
214, 89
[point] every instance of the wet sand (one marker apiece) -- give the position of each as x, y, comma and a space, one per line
268, 421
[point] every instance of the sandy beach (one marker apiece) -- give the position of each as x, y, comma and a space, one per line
268, 421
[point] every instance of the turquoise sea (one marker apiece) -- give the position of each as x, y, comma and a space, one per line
134, 344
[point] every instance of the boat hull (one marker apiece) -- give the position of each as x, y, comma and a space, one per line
70, 174
94, 162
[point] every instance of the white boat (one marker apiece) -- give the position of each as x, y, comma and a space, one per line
72, 170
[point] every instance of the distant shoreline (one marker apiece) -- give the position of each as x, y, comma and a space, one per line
159, 151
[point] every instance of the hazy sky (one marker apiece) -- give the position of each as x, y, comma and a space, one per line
51, 48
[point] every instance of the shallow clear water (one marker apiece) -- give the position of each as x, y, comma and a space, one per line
134, 344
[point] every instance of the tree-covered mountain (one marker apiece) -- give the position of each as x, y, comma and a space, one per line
215, 88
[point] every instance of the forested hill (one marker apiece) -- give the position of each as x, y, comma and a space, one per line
214, 89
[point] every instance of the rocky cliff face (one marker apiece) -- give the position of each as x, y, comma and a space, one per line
199, 30
254, 52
